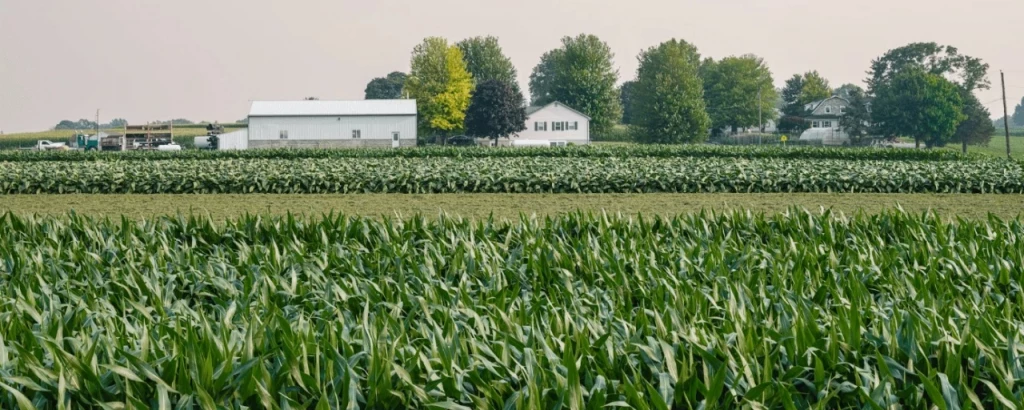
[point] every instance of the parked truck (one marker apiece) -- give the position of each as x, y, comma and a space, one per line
47, 145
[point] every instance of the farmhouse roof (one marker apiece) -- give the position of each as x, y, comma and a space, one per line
534, 108
317, 108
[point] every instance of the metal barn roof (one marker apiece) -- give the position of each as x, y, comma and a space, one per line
331, 108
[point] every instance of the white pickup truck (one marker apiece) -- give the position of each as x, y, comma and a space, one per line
47, 145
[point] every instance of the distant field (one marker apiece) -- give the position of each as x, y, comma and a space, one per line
182, 134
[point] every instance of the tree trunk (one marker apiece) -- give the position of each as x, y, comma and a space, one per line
917, 143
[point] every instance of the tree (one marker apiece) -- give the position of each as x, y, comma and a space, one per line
626, 96
739, 91
496, 110
967, 72
800, 90
441, 86
918, 104
386, 88
118, 123
977, 127
669, 97
581, 75
856, 122
815, 88
846, 91
1018, 114
82, 124
312, 98
485, 60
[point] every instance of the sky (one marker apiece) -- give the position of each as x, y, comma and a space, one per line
147, 60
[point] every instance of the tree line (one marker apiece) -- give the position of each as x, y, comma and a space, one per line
922, 90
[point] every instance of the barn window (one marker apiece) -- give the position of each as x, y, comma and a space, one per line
284, 134
357, 134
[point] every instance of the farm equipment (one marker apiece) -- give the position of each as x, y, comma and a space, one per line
147, 137
101, 141
211, 139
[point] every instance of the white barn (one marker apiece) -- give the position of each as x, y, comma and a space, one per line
332, 124
556, 122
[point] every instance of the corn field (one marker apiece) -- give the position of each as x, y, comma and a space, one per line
629, 151
581, 311
511, 175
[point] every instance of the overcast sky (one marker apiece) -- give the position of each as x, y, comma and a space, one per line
146, 60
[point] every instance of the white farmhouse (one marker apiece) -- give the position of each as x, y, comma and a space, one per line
332, 124
556, 122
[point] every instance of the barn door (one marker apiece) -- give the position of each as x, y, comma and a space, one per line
394, 139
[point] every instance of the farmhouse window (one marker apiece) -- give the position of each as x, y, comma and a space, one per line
540, 126
284, 134
557, 126
842, 110
357, 134
826, 124
814, 124
575, 126
828, 110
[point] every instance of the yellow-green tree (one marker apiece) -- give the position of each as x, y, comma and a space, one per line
441, 85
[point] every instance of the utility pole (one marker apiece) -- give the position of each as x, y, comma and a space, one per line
97, 122
1006, 115
760, 120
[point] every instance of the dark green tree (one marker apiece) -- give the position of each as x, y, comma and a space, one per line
118, 122
966, 71
581, 75
496, 110
737, 90
486, 61
856, 122
846, 90
977, 128
626, 96
669, 99
386, 88
791, 96
918, 104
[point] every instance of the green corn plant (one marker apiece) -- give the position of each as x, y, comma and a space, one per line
579, 311
511, 175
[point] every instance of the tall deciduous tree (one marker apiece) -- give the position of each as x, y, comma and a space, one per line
737, 90
816, 88
977, 128
386, 88
581, 75
966, 71
485, 60
1018, 114
497, 110
919, 104
441, 86
626, 97
669, 99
